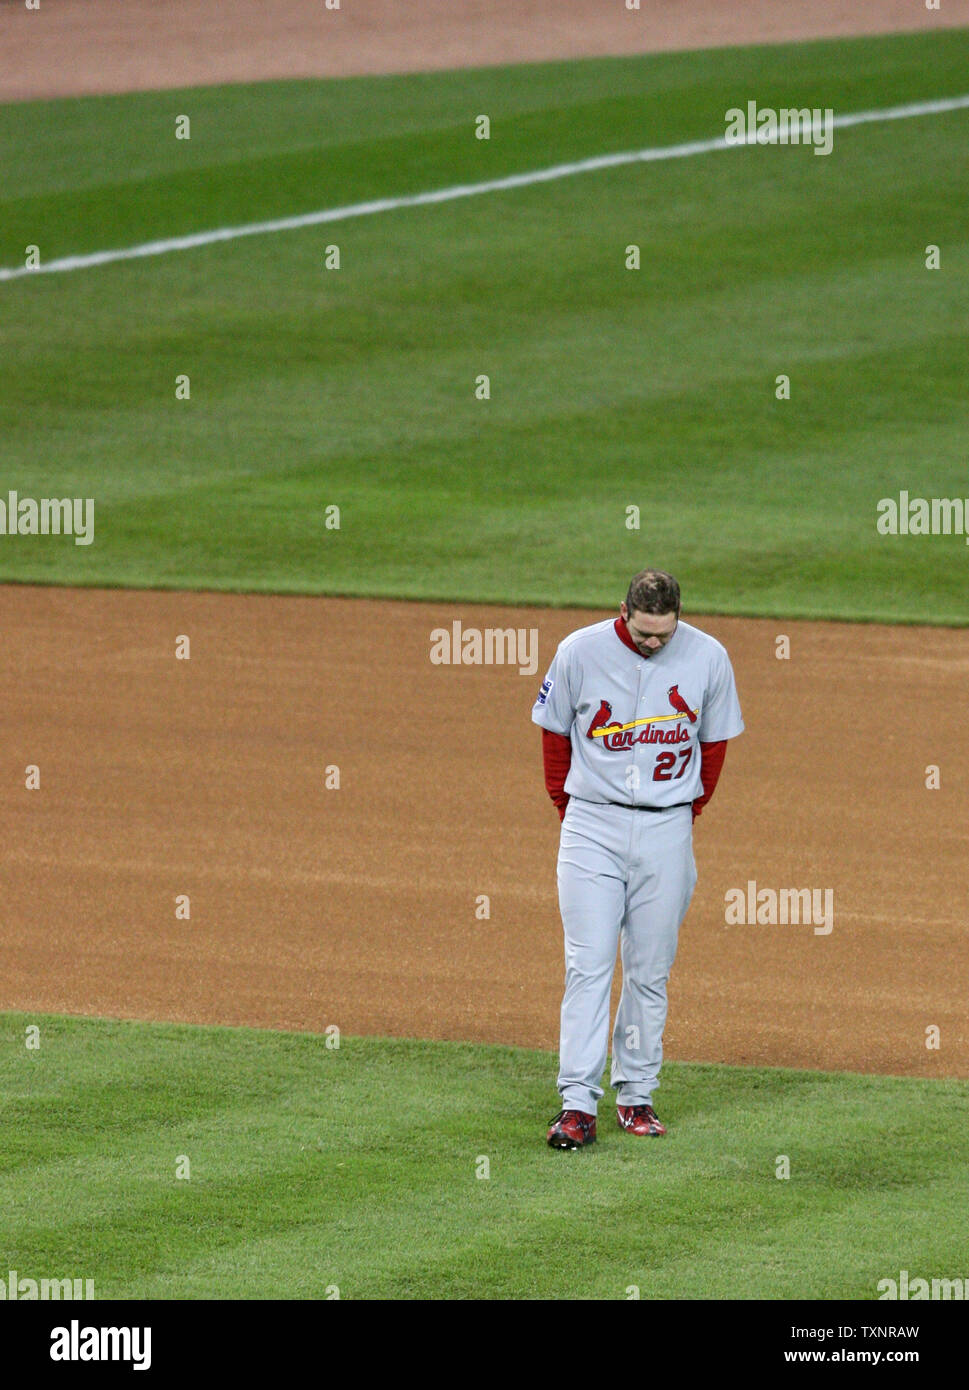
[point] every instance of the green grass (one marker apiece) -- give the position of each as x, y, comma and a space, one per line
610, 388
357, 1167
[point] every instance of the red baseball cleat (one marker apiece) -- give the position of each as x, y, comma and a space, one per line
639, 1119
570, 1129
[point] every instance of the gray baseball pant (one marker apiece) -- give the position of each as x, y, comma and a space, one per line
626, 877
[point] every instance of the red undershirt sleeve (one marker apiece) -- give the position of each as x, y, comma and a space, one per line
557, 757
711, 765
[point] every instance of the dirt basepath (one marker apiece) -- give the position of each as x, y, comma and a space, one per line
357, 906
72, 47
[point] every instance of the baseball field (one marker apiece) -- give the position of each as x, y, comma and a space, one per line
328, 364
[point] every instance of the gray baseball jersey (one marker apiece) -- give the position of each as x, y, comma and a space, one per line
635, 721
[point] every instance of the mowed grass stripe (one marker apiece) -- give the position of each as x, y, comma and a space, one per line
609, 387
324, 216
341, 139
357, 1167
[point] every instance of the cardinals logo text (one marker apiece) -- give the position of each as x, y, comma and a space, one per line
615, 736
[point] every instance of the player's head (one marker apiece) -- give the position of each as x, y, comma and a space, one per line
651, 609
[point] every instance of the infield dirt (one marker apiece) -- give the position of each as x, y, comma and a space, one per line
72, 47
357, 906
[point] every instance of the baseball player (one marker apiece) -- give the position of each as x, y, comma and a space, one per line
635, 715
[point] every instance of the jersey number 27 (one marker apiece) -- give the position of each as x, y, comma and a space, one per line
663, 771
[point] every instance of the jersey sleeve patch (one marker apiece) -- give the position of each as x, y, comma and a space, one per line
545, 691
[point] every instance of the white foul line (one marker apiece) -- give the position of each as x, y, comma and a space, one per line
461, 190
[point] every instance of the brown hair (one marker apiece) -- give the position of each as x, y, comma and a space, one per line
653, 591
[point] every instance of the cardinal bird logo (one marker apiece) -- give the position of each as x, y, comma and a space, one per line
678, 703
602, 717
